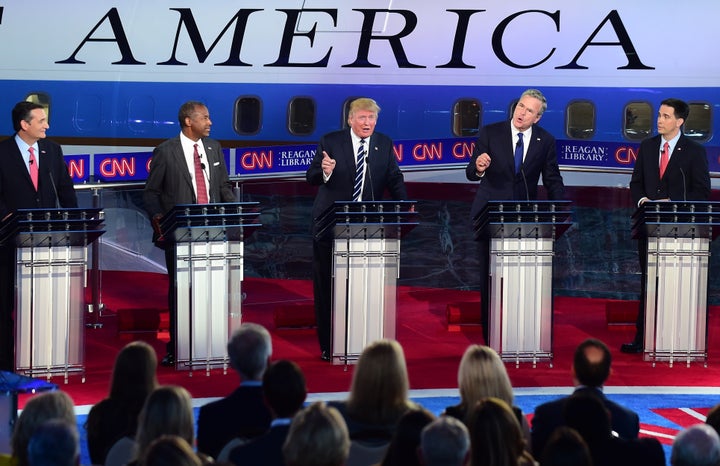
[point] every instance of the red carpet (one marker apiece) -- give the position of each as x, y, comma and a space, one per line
432, 350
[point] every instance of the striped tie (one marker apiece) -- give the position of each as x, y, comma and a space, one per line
359, 171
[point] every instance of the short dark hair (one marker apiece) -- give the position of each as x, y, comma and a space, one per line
187, 109
592, 374
681, 109
21, 112
284, 388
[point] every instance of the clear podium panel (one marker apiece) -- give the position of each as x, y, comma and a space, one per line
676, 303
49, 327
209, 302
366, 273
521, 298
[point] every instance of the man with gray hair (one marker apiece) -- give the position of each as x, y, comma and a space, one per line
242, 414
698, 445
444, 442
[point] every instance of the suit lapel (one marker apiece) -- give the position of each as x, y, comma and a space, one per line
20, 166
179, 160
347, 148
676, 154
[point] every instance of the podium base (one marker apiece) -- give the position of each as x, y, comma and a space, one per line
676, 356
527, 356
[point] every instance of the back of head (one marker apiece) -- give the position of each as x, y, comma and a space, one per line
170, 450
318, 436
249, 350
591, 364
444, 442
713, 418
54, 443
167, 411
698, 445
379, 391
406, 439
588, 416
134, 373
495, 434
566, 448
284, 388
482, 374
38, 410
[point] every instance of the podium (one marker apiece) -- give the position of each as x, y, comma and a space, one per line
366, 265
209, 245
678, 235
51, 257
522, 236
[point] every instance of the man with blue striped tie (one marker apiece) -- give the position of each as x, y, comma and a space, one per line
354, 163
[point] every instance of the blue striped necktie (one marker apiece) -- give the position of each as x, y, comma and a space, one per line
359, 171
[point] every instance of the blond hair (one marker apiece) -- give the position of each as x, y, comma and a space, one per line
482, 374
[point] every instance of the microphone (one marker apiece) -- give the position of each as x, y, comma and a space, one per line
527, 193
57, 198
369, 176
682, 172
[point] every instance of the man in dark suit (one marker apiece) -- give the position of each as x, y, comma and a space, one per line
243, 414
685, 177
334, 170
33, 175
187, 169
284, 391
590, 370
508, 167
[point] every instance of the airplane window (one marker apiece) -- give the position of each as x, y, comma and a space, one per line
467, 117
301, 116
638, 119
699, 122
42, 99
580, 120
247, 117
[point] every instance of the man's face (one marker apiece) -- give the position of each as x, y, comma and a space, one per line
527, 113
199, 123
667, 124
35, 129
363, 123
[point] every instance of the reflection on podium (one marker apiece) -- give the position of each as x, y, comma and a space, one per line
51, 252
678, 237
522, 236
366, 266
209, 242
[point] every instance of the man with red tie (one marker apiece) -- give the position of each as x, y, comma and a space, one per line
33, 175
187, 169
669, 167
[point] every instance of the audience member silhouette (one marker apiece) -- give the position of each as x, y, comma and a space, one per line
713, 418
285, 390
170, 450
444, 442
54, 443
38, 410
586, 413
318, 436
378, 393
697, 445
496, 438
566, 447
590, 370
134, 377
403, 448
242, 414
167, 411
482, 374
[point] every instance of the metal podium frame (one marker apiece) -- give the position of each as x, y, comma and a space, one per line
678, 235
209, 245
51, 251
366, 265
522, 236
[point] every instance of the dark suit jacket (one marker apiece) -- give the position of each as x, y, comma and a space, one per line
548, 416
383, 172
500, 181
16, 188
265, 450
686, 175
242, 414
169, 182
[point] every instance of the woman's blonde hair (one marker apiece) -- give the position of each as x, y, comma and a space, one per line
482, 374
167, 411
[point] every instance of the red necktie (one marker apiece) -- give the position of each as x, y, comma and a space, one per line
664, 158
33, 168
202, 195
